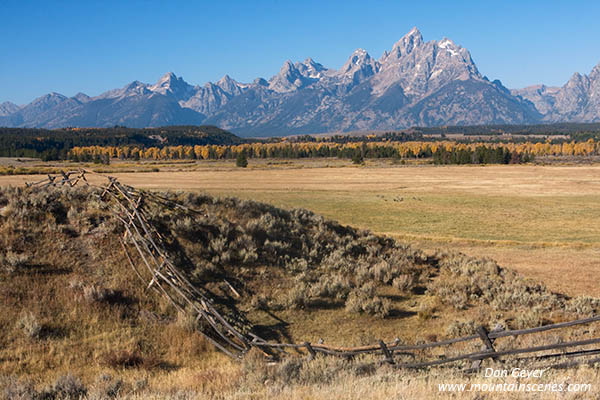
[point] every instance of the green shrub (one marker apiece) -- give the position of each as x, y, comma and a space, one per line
241, 160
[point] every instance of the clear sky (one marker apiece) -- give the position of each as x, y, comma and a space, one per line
93, 46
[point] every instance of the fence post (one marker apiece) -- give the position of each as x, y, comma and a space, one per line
388, 355
311, 351
488, 344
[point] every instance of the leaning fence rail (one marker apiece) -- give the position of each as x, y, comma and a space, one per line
228, 330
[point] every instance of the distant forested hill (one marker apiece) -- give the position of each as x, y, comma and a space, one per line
54, 144
573, 129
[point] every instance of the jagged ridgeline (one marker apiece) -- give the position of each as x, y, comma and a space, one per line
253, 259
415, 83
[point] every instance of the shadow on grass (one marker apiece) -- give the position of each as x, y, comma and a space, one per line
41, 269
399, 314
53, 332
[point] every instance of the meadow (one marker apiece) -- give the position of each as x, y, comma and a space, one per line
538, 220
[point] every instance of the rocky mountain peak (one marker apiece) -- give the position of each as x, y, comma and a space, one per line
417, 83
357, 58
577, 100
135, 88
226, 80
167, 78
50, 98
260, 82
577, 80
449, 46
359, 66
82, 97
8, 108
595, 73
312, 63
287, 67
310, 69
169, 83
422, 67
288, 78
230, 85
407, 43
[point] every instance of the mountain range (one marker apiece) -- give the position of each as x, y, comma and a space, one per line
417, 83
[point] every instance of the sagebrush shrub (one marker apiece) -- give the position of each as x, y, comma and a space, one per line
404, 282
298, 297
13, 261
105, 387
95, 293
361, 301
528, 319
584, 305
12, 388
462, 328
30, 325
322, 370
69, 387
464, 280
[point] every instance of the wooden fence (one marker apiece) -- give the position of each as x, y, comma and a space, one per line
231, 333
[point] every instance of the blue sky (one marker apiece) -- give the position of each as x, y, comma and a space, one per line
93, 46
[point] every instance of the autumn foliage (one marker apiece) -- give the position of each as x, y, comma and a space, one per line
444, 151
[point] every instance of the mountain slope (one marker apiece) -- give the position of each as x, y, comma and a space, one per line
577, 101
136, 105
415, 83
8, 108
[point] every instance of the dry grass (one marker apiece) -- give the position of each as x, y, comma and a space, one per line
535, 219
319, 379
542, 229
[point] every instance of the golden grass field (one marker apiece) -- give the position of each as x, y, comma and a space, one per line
538, 220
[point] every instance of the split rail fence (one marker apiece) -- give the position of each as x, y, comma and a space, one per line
232, 334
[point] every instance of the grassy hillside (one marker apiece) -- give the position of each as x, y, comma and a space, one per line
77, 320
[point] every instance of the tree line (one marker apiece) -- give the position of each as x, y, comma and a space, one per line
446, 152
55, 144
209, 142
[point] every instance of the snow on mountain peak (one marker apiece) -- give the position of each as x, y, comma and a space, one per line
169, 76
226, 79
306, 95
230, 85
414, 32
358, 67
449, 46
445, 42
166, 81
169, 83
